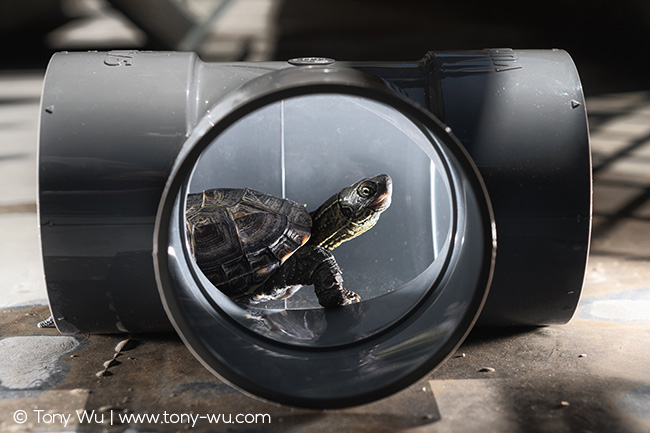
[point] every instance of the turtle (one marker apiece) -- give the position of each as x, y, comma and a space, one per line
255, 247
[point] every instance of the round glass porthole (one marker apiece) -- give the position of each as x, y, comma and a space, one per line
420, 272
311, 150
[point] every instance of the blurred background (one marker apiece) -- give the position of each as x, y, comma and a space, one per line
608, 40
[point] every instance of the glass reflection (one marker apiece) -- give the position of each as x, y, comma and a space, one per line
307, 148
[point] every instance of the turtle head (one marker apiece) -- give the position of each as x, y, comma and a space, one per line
366, 199
352, 211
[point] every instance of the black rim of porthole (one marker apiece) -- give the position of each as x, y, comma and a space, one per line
277, 86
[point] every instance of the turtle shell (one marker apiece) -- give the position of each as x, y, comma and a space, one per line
239, 237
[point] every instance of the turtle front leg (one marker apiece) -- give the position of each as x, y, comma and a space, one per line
327, 279
315, 266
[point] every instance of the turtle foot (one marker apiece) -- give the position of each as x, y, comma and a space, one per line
338, 298
350, 297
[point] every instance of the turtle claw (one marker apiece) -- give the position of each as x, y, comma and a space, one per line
350, 297
339, 298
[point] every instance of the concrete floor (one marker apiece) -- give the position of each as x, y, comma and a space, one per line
591, 375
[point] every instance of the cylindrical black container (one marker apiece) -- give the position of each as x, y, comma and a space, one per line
480, 145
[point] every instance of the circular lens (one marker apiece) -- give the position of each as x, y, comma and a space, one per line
311, 149
421, 272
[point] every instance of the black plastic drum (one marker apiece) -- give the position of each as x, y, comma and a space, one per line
126, 136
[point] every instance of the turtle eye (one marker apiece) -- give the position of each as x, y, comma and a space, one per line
366, 190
